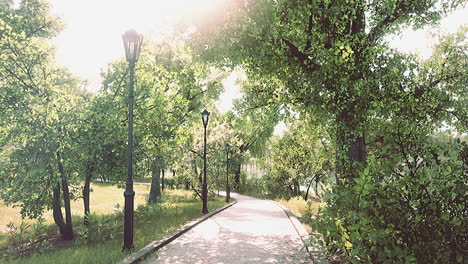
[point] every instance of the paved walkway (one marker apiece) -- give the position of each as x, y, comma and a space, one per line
251, 231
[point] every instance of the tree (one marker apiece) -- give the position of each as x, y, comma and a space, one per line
99, 143
170, 91
252, 128
330, 59
39, 152
24, 31
39, 101
321, 52
303, 156
404, 203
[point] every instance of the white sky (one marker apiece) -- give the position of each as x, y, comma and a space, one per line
420, 41
93, 28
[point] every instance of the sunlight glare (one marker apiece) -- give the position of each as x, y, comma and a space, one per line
93, 29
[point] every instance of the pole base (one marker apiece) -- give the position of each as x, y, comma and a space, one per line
128, 220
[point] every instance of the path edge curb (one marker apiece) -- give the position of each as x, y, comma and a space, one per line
154, 246
315, 253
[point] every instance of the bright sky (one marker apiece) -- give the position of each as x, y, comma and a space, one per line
420, 41
93, 28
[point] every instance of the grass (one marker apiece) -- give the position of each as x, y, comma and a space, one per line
104, 198
302, 209
102, 242
299, 206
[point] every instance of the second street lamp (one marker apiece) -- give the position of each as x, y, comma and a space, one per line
205, 115
132, 44
228, 188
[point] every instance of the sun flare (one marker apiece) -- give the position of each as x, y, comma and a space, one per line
104, 22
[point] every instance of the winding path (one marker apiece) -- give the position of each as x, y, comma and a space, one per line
251, 231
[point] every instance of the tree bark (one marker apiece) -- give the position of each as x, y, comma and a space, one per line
155, 191
86, 193
162, 179
351, 145
306, 194
68, 230
57, 209
195, 170
237, 177
297, 189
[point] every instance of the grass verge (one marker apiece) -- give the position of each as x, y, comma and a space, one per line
303, 210
102, 241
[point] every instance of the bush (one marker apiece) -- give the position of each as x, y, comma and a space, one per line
255, 187
413, 212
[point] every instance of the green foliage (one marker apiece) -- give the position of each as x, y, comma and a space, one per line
412, 212
303, 156
21, 239
255, 187
17, 232
329, 59
171, 89
39, 103
324, 64
39, 227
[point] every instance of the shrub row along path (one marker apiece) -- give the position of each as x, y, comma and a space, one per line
251, 231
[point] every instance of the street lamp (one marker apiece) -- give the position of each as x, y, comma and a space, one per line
132, 44
228, 188
205, 115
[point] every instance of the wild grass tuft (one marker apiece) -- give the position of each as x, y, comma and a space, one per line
302, 209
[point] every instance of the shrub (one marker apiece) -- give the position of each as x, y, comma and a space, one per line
413, 212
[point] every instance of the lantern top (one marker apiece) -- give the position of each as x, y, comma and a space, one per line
132, 43
227, 146
205, 114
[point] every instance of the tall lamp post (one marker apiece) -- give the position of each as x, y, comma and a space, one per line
205, 115
228, 188
132, 44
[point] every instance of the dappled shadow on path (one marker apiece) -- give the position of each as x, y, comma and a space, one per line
230, 248
252, 231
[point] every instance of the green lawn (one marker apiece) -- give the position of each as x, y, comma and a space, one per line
103, 242
104, 198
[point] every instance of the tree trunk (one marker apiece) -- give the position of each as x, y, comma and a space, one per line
68, 231
195, 170
237, 176
297, 189
86, 193
351, 146
155, 191
57, 209
162, 180
306, 194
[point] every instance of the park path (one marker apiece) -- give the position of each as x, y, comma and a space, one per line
251, 231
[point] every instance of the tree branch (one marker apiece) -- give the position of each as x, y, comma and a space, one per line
379, 29
198, 194
309, 28
302, 57
196, 153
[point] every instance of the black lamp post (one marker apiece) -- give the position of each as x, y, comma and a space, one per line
132, 44
205, 115
228, 188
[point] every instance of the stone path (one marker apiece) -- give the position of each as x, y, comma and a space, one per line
251, 231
